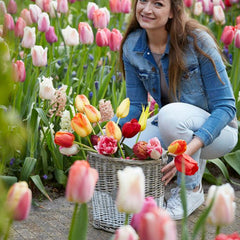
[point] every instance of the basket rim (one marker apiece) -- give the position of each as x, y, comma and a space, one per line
124, 160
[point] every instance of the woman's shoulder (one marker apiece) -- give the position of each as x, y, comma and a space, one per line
204, 39
132, 39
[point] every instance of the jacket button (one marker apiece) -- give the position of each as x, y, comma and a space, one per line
153, 69
154, 89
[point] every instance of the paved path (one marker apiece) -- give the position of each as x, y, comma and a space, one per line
52, 221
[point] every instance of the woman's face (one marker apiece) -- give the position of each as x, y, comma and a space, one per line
153, 14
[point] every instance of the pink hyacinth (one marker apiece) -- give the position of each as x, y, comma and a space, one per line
106, 145
154, 148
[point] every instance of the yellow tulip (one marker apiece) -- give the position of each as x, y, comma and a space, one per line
123, 108
112, 130
92, 113
80, 101
81, 125
143, 118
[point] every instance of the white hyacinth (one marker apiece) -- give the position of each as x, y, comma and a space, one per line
65, 122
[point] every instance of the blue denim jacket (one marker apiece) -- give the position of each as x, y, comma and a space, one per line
199, 86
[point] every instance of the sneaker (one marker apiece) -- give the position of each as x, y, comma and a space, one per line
174, 204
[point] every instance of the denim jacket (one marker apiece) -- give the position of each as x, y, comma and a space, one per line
199, 85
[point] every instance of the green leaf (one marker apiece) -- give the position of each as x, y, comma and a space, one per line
60, 176
128, 150
28, 166
42, 115
233, 160
38, 182
210, 178
8, 181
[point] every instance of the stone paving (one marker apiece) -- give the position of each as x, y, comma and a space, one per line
52, 220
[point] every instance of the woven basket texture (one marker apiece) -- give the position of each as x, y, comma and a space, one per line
104, 212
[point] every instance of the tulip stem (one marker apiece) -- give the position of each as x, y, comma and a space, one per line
73, 221
138, 137
217, 230
121, 150
118, 120
8, 229
100, 128
89, 141
126, 219
86, 146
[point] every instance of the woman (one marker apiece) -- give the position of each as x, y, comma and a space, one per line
177, 61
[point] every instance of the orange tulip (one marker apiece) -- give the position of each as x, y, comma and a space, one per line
81, 125
92, 113
112, 130
80, 101
177, 147
64, 139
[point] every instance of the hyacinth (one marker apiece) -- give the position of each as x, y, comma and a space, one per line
65, 122
106, 110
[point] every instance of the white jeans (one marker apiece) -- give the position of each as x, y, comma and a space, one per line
180, 121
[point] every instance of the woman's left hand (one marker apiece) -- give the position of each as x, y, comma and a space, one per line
169, 172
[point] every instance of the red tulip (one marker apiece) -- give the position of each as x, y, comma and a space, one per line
81, 182
102, 37
177, 147
94, 139
64, 139
140, 150
130, 129
191, 166
188, 3
233, 236
227, 35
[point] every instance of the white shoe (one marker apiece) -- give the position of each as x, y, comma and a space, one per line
174, 204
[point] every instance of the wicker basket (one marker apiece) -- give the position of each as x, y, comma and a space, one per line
104, 212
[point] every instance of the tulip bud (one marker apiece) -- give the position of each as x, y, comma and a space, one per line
177, 147
19, 71
218, 15
126, 6
8, 23
81, 125
100, 18
39, 56
50, 35
113, 130
46, 5
223, 209
35, 12
19, 200
12, 7
123, 108
125, 233
80, 101
53, 9
143, 118
154, 148
131, 191
190, 165
69, 151
227, 35
71, 36
101, 37
85, 33
46, 89
91, 7
81, 182
130, 129
94, 139
25, 14
19, 27
238, 20
207, 7
140, 150
29, 37
62, 6
115, 6
92, 113
43, 22
64, 139
115, 40
188, 3
198, 8
3, 9
237, 39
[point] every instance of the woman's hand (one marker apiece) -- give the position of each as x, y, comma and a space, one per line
169, 172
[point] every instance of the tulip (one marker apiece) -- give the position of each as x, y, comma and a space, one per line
69, 151
190, 165
43, 22
227, 35
29, 37
3, 9
46, 5
233, 236
140, 150
85, 33
126, 6
62, 6
101, 37
154, 148
188, 3
177, 147
92, 113
19, 71
125, 233
223, 209
115, 6
46, 89
123, 108
130, 129
35, 12
19, 27
81, 125
106, 145
198, 8
94, 139
12, 7
50, 35
130, 195
52, 9
39, 56
81, 182
157, 224
101, 18
70, 35
207, 7
39, 3
19, 200
115, 40
91, 7
237, 39
218, 15
238, 20
80, 101
143, 118
8, 22
64, 139
26, 15
148, 205
112, 130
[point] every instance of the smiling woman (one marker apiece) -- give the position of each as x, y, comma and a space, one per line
177, 60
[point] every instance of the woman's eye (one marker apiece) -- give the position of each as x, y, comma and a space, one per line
142, 1
158, 4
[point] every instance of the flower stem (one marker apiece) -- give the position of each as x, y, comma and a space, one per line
100, 128
126, 219
73, 221
86, 146
121, 150
217, 230
138, 136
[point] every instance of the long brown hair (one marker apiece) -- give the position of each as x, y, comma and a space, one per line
179, 27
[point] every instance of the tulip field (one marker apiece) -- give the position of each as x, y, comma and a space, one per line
52, 51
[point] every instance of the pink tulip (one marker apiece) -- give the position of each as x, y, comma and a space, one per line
85, 33
46, 5
115, 40
91, 7
227, 35
19, 71
71, 36
50, 35
238, 20
19, 200
157, 224
115, 6
19, 27
29, 37
39, 3
237, 39
8, 22
81, 182
101, 18
12, 7
101, 37
39, 56
62, 6
207, 6
126, 6
154, 148
198, 8
3, 9
35, 12
125, 233
218, 15
148, 205
43, 22
106, 145
25, 14
188, 3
